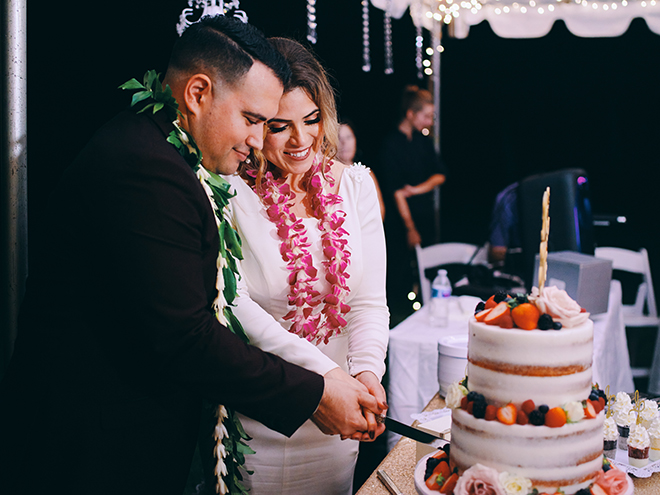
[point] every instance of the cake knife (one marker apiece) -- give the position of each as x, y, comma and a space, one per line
407, 431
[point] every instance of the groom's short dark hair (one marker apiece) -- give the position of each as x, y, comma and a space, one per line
226, 47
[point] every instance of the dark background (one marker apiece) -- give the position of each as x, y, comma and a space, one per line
509, 107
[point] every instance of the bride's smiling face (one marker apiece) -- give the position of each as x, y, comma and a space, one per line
294, 134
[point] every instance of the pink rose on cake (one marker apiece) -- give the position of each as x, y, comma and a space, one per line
613, 482
558, 304
479, 480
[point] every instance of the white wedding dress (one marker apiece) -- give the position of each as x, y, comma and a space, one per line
310, 462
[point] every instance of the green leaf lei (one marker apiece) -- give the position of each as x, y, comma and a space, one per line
229, 427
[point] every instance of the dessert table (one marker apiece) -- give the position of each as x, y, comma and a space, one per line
399, 464
413, 355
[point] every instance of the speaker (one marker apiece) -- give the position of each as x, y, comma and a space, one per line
584, 277
571, 218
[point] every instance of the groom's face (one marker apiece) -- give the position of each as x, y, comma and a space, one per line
233, 123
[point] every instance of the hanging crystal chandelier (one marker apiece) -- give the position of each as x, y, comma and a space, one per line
199, 8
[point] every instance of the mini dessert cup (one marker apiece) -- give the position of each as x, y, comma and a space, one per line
609, 448
624, 431
654, 453
638, 457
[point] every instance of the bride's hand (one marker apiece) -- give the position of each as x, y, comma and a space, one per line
369, 380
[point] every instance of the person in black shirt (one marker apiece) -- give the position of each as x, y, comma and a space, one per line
411, 170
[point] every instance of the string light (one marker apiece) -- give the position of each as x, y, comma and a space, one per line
387, 25
448, 10
419, 45
366, 49
311, 21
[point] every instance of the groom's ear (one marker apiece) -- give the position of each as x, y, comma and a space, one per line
198, 93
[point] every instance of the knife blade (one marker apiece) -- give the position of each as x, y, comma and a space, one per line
408, 431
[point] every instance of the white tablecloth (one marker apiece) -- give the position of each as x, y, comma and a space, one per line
413, 355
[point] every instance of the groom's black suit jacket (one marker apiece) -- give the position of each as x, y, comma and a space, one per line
117, 343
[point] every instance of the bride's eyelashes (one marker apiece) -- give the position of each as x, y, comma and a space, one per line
275, 128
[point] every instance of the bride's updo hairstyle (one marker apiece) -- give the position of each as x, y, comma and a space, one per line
308, 75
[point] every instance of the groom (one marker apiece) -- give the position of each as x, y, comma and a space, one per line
118, 344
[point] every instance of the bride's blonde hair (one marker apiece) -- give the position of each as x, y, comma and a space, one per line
310, 76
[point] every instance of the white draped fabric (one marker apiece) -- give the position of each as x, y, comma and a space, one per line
581, 19
535, 18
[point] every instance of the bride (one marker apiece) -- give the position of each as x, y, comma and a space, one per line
314, 264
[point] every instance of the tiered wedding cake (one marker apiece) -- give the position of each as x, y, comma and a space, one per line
537, 383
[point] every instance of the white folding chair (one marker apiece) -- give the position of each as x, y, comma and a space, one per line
643, 313
441, 254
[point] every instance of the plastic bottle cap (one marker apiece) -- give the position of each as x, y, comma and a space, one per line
442, 271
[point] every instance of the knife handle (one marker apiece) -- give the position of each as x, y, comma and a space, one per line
387, 481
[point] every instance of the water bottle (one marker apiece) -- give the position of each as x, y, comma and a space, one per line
440, 293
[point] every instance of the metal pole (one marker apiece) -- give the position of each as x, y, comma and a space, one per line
13, 173
437, 38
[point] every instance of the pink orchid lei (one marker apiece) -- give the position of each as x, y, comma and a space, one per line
277, 198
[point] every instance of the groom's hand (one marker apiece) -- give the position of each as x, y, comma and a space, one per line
340, 410
369, 380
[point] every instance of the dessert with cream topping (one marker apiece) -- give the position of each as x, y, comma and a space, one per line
639, 445
624, 416
654, 436
649, 413
610, 438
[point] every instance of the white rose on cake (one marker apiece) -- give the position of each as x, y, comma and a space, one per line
574, 411
514, 484
558, 304
455, 394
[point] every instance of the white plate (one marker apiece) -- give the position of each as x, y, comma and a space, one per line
621, 462
420, 483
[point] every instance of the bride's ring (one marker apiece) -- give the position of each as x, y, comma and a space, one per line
380, 419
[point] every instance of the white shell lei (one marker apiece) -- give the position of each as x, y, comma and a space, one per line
219, 305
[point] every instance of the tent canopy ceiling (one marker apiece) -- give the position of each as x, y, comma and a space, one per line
529, 18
